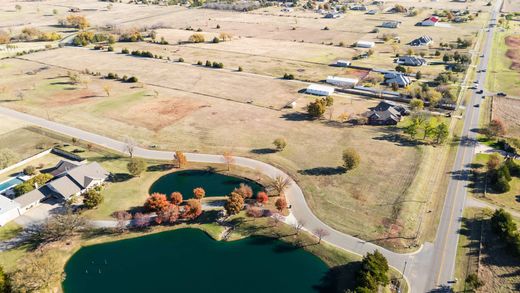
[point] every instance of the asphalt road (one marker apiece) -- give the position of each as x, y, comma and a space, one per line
427, 269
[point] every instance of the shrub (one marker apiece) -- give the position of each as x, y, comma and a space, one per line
110, 49
215, 40
29, 170
132, 79
181, 59
240, 68
208, 63
280, 143
125, 51
92, 198
199, 62
196, 38
288, 76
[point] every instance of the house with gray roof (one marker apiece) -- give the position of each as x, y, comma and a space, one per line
78, 180
411, 61
385, 113
62, 167
421, 41
397, 78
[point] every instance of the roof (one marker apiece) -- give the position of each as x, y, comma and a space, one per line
390, 113
85, 174
29, 198
342, 79
7, 204
62, 167
65, 186
412, 60
432, 18
319, 87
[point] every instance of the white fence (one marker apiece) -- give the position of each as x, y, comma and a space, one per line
23, 162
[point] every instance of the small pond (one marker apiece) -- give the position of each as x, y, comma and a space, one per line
214, 184
188, 260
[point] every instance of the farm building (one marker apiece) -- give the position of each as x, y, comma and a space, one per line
399, 78
391, 24
343, 63
411, 61
319, 90
358, 7
342, 81
421, 41
365, 44
430, 21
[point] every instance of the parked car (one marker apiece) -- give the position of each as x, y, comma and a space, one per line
480, 91
477, 105
501, 94
483, 97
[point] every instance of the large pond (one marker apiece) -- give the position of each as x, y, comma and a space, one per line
187, 260
214, 184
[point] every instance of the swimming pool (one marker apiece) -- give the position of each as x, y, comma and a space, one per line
9, 183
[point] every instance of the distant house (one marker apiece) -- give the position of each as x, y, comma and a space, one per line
391, 24
74, 9
421, 41
332, 15
385, 113
411, 61
372, 12
319, 90
365, 44
358, 7
430, 21
398, 78
342, 81
342, 63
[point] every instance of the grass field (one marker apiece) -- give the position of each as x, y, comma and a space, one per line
501, 76
9, 231
506, 109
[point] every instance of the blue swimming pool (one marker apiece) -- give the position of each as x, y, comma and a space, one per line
10, 183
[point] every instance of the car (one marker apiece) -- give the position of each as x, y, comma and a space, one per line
477, 105
472, 87
501, 94
483, 97
480, 91
483, 70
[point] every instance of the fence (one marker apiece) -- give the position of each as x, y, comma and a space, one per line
23, 162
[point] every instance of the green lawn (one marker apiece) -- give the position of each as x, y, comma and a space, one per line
9, 231
500, 77
27, 141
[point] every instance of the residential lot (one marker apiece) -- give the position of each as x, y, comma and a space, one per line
183, 106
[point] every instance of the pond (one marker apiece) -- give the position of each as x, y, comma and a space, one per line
188, 260
214, 184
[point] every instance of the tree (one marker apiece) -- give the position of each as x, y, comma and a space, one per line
122, 217
316, 108
196, 38
261, 197
493, 162
374, 272
234, 203
78, 21
199, 193
180, 159
7, 157
441, 133
244, 190
92, 198
29, 170
351, 159
136, 166
37, 272
168, 214
141, 220
416, 104
298, 226
5, 285
254, 212
107, 89
428, 129
281, 204
418, 75
228, 159
320, 233
176, 198
192, 209
495, 128
280, 184
280, 144
130, 145
156, 202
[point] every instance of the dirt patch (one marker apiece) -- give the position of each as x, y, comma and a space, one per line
507, 109
513, 42
156, 115
72, 97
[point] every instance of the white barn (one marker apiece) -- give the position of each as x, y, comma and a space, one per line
365, 44
319, 90
342, 81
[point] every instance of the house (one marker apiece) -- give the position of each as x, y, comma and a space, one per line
332, 15
391, 24
358, 7
421, 41
29, 200
78, 180
342, 81
410, 61
399, 78
342, 63
430, 21
385, 113
365, 44
62, 167
8, 210
319, 90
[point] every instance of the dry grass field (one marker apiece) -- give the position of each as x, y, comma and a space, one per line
182, 106
508, 110
511, 6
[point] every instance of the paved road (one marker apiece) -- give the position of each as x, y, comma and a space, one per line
427, 269
445, 247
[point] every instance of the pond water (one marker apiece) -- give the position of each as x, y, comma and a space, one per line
188, 260
214, 184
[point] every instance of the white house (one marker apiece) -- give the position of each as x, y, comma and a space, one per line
8, 210
342, 81
343, 63
319, 90
365, 44
430, 21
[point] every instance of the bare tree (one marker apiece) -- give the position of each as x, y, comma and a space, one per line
228, 159
20, 95
320, 233
107, 89
298, 226
130, 146
280, 184
276, 219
